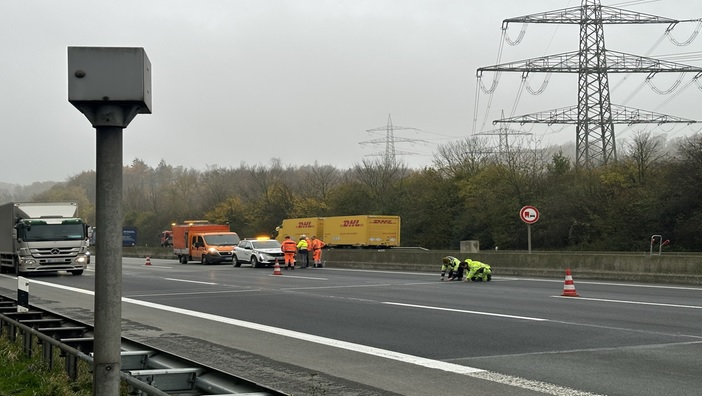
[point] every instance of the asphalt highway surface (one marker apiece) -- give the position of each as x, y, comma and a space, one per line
350, 332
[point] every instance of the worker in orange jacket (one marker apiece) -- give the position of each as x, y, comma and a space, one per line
317, 245
289, 248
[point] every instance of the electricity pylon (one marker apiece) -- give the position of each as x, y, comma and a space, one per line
503, 133
594, 115
390, 154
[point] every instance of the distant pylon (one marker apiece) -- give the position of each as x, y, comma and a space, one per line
390, 154
276, 268
148, 260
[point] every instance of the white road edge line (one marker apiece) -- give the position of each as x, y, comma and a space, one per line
397, 356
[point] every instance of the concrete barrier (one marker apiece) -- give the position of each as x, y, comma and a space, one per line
683, 269
640, 267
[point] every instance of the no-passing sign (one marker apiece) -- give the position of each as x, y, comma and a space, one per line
529, 214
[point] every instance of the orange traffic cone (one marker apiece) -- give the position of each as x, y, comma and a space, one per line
276, 268
569, 286
148, 260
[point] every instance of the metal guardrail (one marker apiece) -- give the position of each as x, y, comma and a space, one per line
146, 370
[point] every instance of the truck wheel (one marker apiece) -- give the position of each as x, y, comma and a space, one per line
236, 262
77, 272
204, 260
254, 262
183, 259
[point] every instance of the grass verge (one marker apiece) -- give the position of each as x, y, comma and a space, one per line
31, 376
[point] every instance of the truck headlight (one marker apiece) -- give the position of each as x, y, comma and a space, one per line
213, 251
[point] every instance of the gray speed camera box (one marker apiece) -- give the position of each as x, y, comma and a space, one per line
109, 75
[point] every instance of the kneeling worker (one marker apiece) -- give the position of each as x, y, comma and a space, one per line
453, 266
477, 271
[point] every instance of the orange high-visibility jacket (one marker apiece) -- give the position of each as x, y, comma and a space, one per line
317, 244
288, 246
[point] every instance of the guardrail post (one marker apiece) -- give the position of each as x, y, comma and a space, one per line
47, 351
27, 343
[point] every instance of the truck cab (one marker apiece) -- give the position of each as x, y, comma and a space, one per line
42, 237
207, 243
213, 248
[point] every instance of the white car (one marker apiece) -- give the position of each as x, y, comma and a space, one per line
258, 252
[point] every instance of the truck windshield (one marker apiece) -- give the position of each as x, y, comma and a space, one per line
52, 232
222, 240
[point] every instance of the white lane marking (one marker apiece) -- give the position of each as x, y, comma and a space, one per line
190, 281
335, 287
299, 277
631, 302
455, 368
451, 367
195, 293
466, 311
646, 286
383, 353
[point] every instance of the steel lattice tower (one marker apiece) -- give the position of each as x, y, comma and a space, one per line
390, 154
594, 115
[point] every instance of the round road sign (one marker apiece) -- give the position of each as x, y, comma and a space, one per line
529, 214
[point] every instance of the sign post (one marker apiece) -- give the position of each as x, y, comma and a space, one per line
529, 215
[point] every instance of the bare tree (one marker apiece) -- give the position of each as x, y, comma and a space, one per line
321, 179
464, 157
645, 151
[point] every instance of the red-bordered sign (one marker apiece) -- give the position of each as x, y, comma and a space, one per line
529, 214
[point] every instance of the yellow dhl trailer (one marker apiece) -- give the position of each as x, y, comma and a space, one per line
362, 231
295, 227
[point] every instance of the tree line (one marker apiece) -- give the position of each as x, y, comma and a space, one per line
471, 192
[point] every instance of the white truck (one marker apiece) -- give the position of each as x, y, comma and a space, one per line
42, 237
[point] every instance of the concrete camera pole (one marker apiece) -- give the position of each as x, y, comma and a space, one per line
110, 86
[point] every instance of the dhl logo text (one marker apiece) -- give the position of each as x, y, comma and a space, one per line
383, 222
304, 224
351, 223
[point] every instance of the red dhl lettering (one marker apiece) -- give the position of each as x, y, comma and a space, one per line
304, 224
378, 221
351, 223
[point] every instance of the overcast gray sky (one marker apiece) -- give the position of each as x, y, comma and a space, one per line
300, 80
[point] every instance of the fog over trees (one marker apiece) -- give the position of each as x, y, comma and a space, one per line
469, 193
